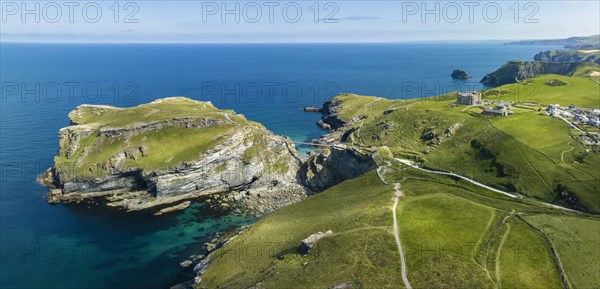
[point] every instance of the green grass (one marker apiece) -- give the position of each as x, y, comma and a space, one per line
577, 242
441, 234
528, 152
582, 92
358, 252
451, 232
455, 234
163, 147
164, 109
525, 260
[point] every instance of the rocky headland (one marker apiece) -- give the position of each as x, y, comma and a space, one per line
158, 155
568, 56
516, 70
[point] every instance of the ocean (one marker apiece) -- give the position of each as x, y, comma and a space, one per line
76, 246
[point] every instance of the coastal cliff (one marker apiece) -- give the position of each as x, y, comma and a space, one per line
333, 166
170, 150
514, 71
568, 56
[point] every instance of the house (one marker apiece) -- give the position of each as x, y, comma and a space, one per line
581, 118
566, 114
468, 98
501, 109
594, 121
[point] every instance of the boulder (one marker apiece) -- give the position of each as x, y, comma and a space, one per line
312, 109
210, 246
185, 263
308, 244
459, 74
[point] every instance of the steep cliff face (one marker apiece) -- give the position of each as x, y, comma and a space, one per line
567, 56
168, 151
331, 114
333, 166
514, 71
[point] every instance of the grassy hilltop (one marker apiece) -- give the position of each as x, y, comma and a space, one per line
454, 234
168, 151
169, 145
528, 152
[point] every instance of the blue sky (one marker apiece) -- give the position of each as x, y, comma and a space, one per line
289, 21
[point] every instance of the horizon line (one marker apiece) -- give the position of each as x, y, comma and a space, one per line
259, 42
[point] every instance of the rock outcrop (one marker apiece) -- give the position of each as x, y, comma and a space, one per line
514, 71
331, 117
168, 151
311, 109
459, 74
309, 243
333, 166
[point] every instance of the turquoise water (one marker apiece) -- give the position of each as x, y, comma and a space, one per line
73, 246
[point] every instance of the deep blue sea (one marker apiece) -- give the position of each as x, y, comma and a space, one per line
73, 246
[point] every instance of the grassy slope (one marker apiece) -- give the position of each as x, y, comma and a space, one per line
577, 242
455, 234
451, 233
441, 234
525, 260
582, 92
358, 251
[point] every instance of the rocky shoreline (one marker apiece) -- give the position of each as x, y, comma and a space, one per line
250, 171
226, 175
334, 164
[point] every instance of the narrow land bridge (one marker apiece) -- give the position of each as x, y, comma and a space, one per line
319, 144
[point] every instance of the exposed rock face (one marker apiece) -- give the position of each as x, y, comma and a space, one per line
101, 157
330, 112
459, 74
333, 166
515, 71
566, 56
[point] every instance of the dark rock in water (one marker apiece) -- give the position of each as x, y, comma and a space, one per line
460, 74
210, 247
312, 109
185, 263
323, 125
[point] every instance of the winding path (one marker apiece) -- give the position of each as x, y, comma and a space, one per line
409, 163
397, 194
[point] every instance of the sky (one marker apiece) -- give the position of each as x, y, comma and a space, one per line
294, 21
